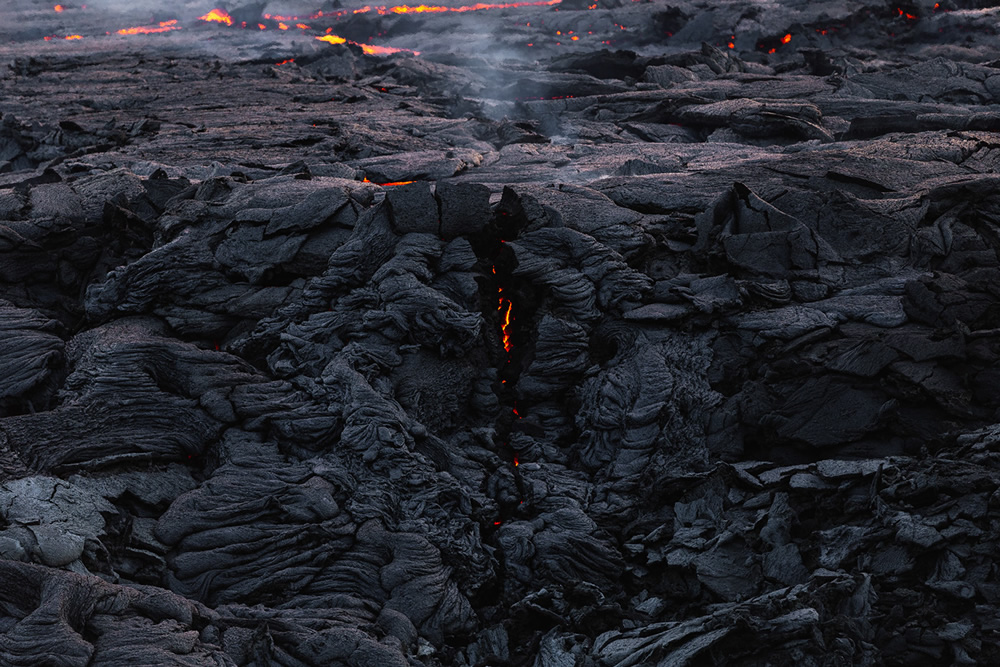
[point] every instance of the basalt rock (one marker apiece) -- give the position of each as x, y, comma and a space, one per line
593, 334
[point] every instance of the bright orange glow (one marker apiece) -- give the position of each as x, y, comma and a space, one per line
285, 62
164, 26
787, 38
73, 37
282, 26
505, 327
383, 50
302, 26
262, 26
574, 38
407, 9
388, 185
731, 45
58, 8
367, 48
218, 16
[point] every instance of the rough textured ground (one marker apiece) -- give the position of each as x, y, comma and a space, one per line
650, 333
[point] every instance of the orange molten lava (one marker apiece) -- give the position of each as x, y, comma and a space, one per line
787, 38
58, 8
389, 185
507, 321
383, 50
406, 9
219, 16
164, 26
367, 48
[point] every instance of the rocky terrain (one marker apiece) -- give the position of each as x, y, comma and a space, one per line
549, 334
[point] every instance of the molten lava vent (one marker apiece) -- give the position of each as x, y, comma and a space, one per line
555, 333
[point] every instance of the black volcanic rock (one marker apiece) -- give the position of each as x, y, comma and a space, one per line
593, 334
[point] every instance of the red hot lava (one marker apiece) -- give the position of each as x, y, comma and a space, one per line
217, 16
164, 26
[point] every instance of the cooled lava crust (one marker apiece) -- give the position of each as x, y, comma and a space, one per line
576, 333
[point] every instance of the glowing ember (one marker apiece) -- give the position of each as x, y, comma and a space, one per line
285, 62
282, 26
58, 8
164, 26
218, 16
787, 38
69, 37
332, 39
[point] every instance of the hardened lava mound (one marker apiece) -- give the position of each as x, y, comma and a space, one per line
579, 333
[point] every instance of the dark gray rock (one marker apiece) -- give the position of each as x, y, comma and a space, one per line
413, 209
465, 209
678, 351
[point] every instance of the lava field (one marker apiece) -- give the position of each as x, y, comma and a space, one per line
568, 333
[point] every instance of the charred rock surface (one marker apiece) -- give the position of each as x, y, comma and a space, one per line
652, 334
